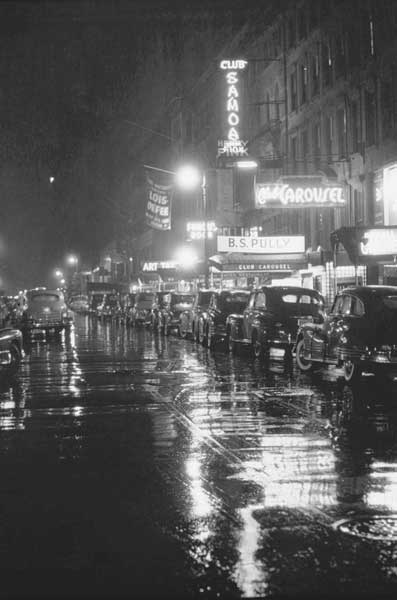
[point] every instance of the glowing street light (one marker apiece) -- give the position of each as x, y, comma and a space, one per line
58, 273
186, 257
72, 259
188, 177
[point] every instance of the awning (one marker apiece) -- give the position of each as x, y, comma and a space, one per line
259, 263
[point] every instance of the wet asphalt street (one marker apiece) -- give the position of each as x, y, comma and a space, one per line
135, 465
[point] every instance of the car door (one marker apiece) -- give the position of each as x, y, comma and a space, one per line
248, 317
333, 324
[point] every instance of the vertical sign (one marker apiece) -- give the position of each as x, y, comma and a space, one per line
232, 146
158, 207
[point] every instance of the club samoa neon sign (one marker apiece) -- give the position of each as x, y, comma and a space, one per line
308, 193
232, 146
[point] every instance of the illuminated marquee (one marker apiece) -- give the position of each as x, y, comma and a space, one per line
196, 229
232, 146
261, 245
293, 193
378, 242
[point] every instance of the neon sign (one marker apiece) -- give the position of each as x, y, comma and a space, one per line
196, 229
156, 265
294, 193
232, 146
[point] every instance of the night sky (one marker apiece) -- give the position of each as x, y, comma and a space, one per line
72, 75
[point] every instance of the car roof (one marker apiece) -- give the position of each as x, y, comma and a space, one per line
370, 291
292, 289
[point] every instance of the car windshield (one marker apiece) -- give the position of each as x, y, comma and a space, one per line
301, 299
182, 299
234, 303
45, 297
145, 297
204, 297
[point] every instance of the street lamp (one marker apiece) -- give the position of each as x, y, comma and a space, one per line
189, 177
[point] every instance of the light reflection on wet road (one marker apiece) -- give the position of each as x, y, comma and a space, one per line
139, 465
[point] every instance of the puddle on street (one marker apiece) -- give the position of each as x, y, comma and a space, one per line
243, 470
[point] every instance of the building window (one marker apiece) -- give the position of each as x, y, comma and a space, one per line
316, 145
371, 36
313, 14
370, 118
329, 135
291, 31
267, 107
326, 61
302, 23
315, 73
304, 79
305, 150
340, 55
294, 89
358, 208
294, 153
277, 102
341, 129
389, 103
355, 126
276, 42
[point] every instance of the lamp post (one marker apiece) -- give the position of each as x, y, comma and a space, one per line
189, 177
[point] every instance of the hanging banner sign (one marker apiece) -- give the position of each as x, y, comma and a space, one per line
293, 193
232, 146
261, 245
158, 207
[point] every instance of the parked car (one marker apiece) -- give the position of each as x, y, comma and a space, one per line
159, 302
79, 303
270, 322
127, 302
359, 333
174, 303
11, 350
212, 322
141, 311
110, 307
94, 300
190, 317
45, 311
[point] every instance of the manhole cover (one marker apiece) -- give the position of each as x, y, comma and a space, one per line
377, 527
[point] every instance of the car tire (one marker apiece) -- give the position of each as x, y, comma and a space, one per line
182, 331
160, 327
210, 340
258, 349
196, 334
351, 371
231, 345
304, 365
201, 334
16, 357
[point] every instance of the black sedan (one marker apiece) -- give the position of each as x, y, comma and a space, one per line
223, 303
359, 334
173, 304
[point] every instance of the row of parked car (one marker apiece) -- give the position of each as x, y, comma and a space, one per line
358, 333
